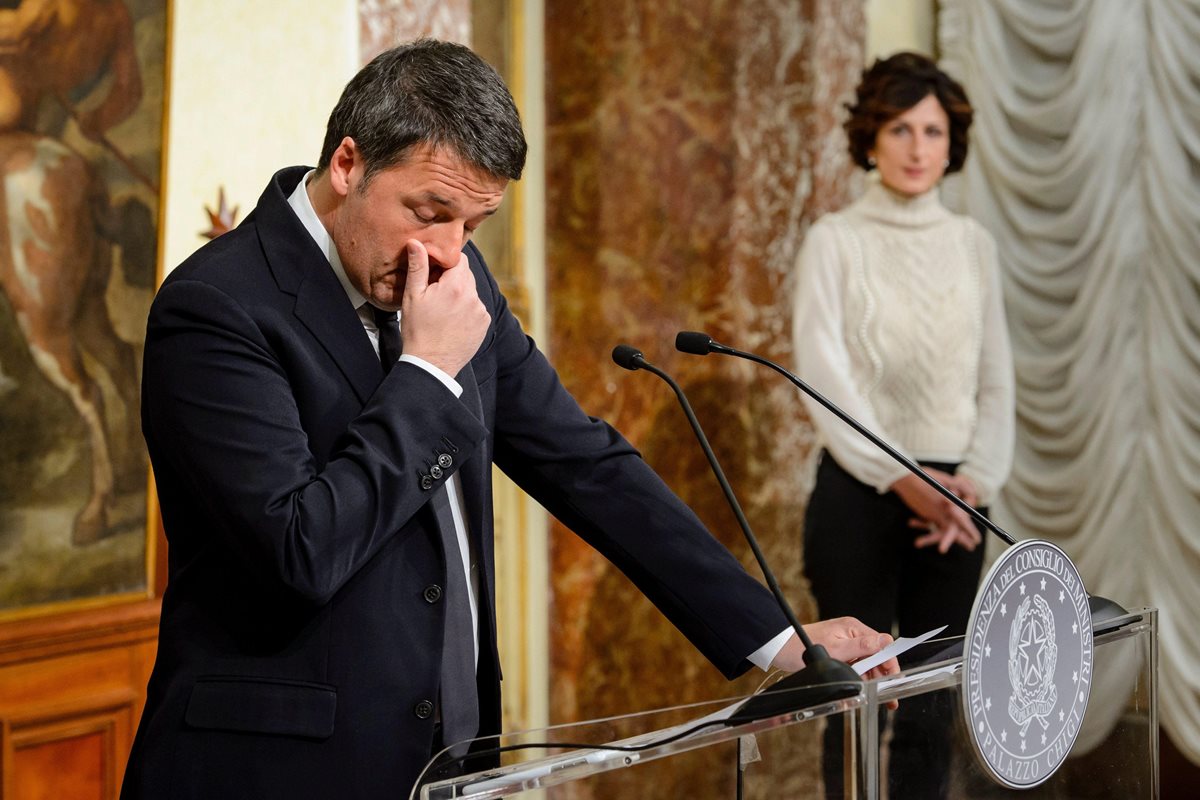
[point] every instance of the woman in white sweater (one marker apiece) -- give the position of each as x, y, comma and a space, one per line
899, 320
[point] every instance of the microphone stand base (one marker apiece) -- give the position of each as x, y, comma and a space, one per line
821, 682
1103, 612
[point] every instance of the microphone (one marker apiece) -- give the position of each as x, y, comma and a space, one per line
823, 677
701, 344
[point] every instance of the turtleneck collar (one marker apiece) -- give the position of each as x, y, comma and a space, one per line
882, 204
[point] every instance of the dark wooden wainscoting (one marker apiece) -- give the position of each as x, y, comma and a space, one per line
72, 688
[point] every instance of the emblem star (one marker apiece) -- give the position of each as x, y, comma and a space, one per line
1004, 736
1022, 588
987, 651
1004, 609
988, 704
1043, 584
1032, 649
1061, 595
1022, 745
1075, 676
1061, 715
1043, 738
1074, 628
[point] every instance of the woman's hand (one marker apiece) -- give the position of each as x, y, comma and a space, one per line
946, 524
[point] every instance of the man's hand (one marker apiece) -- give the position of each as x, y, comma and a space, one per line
444, 321
845, 639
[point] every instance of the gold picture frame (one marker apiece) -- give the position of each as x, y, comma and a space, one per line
83, 109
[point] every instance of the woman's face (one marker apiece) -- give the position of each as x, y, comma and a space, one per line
912, 149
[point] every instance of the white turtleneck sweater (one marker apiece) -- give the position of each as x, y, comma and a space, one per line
899, 320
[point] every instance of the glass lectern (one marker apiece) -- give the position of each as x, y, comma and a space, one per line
709, 750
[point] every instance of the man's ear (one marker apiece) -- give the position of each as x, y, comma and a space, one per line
345, 167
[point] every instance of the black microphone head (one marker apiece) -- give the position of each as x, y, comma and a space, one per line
627, 357
694, 342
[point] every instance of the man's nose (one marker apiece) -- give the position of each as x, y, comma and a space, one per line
445, 245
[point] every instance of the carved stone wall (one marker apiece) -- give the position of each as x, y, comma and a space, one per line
689, 146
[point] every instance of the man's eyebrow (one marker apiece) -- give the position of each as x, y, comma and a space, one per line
450, 204
437, 198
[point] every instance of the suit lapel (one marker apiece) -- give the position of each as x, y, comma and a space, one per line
301, 269
340, 332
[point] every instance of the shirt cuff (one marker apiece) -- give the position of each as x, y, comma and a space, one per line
763, 656
446, 380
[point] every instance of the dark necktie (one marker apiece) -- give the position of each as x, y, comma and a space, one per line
390, 344
460, 694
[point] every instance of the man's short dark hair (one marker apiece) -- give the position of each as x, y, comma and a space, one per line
432, 93
892, 86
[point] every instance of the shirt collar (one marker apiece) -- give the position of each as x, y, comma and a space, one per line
302, 205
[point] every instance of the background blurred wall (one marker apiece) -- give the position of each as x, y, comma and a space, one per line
687, 152
251, 85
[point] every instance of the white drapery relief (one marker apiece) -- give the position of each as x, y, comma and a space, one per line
1085, 164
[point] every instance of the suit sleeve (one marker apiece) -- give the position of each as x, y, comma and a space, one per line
221, 418
590, 478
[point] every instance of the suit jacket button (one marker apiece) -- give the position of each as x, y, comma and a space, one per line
426, 482
433, 593
444, 461
423, 710
435, 472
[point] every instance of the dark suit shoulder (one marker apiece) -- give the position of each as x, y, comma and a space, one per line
270, 246
224, 259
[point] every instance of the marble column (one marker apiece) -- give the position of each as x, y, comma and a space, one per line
689, 146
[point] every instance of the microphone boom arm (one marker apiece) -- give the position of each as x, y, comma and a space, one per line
689, 346
701, 344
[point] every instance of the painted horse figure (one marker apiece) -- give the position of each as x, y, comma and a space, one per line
55, 267
54, 262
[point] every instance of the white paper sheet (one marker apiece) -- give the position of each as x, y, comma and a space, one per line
894, 649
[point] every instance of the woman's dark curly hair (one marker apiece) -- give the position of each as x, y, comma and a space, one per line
892, 86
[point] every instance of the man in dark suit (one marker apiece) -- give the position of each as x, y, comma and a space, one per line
329, 515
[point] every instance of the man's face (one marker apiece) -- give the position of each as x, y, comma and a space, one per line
433, 197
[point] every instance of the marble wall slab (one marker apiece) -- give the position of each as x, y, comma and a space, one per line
386, 23
689, 146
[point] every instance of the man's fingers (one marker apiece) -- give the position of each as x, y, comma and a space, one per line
889, 667
418, 268
857, 648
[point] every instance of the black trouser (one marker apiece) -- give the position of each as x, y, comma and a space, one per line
860, 561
